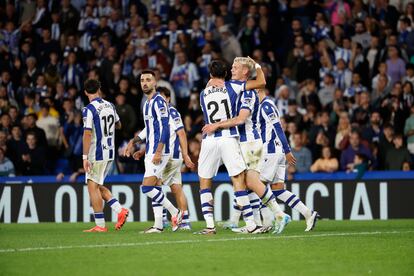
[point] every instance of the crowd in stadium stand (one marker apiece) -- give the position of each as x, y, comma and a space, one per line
341, 74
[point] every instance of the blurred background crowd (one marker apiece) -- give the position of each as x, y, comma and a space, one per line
340, 72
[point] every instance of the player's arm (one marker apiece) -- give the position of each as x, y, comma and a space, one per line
239, 120
271, 116
87, 137
162, 113
118, 124
129, 150
184, 148
182, 137
260, 81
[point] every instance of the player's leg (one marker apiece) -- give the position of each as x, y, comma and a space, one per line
177, 190
149, 187
94, 179
159, 200
97, 206
208, 164
243, 202
115, 206
235, 165
252, 154
293, 201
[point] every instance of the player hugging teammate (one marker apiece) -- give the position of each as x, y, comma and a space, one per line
242, 131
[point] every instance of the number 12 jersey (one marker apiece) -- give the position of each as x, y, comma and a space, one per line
100, 117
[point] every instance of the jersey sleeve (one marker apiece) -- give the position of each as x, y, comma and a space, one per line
247, 100
176, 117
87, 118
143, 134
161, 109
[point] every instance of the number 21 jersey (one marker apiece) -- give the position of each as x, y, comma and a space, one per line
100, 117
219, 104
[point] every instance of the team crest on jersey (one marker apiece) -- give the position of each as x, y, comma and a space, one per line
163, 110
177, 120
247, 101
272, 116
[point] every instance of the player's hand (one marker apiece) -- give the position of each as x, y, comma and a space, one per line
215, 83
129, 149
157, 158
291, 159
138, 154
210, 128
188, 162
252, 60
87, 166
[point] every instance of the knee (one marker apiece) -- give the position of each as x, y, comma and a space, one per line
278, 186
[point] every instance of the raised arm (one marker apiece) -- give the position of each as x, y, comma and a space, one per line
260, 81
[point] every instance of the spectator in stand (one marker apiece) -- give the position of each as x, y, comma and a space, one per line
230, 46
396, 156
6, 166
409, 132
127, 116
184, 78
395, 65
302, 154
33, 156
372, 131
31, 127
15, 145
327, 163
355, 147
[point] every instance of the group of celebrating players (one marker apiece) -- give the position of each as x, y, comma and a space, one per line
242, 131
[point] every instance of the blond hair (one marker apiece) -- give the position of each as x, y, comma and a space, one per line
247, 62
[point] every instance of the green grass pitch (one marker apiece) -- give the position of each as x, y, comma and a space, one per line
333, 248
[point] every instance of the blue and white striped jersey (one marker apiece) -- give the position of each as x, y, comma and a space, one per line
175, 125
273, 137
249, 130
100, 117
157, 130
220, 104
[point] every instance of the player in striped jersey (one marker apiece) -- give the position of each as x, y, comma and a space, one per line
100, 120
221, 145
157, 149
276, 152
172, 174
251, 145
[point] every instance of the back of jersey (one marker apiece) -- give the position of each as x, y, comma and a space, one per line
219, 104
100, 117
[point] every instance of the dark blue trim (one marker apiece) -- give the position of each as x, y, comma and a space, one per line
221, 177
205, 191
99, 215
294, 203
248, 215
206, 204
278, 192
98, 132
290, 199
207, 212
112, 201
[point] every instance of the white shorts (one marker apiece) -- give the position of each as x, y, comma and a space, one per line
172, 172
217, 151
273, 168
252, 154
99, 171
155, 170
